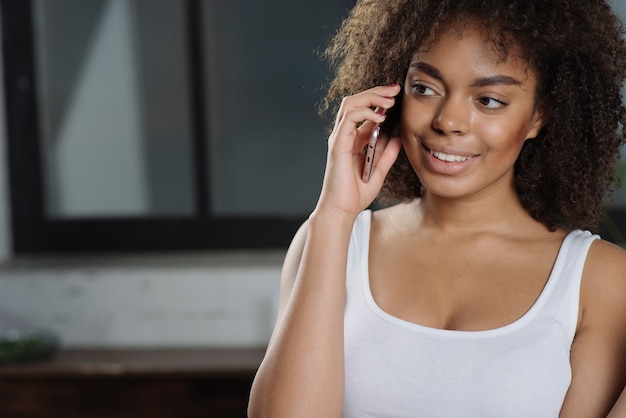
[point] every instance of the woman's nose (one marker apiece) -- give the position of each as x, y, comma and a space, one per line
453, 117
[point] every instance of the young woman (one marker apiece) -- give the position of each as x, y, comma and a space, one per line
477, 292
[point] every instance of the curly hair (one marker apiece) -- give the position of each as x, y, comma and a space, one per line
575, 47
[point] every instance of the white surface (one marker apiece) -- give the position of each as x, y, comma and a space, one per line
131, 305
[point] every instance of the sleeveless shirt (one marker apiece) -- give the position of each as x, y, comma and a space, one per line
395, 368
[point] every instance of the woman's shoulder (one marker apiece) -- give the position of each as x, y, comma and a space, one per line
597, 355
606, 262
603, 287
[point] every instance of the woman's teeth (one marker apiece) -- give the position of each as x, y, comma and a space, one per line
448, 157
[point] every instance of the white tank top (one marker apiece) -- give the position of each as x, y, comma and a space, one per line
395, 368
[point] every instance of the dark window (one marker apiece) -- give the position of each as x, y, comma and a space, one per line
164, 124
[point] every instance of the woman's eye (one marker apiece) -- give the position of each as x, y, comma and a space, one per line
422, 90
491, 103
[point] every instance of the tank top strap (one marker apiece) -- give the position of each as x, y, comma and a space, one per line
563, 288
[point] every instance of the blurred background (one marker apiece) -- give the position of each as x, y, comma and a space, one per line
186, 129
156, 157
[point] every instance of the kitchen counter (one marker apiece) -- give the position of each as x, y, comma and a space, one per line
155, 383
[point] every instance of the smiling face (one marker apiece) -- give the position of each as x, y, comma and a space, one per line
466, 113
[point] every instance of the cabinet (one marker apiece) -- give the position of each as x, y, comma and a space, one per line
131, 383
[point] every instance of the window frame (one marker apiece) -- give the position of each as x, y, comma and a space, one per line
34, 233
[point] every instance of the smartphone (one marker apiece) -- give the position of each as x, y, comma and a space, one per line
369, 153
371, 148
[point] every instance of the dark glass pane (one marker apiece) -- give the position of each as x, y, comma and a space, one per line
114, 108
267, 142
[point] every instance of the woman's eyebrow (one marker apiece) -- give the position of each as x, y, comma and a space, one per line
496, 80
481, 82
427, 69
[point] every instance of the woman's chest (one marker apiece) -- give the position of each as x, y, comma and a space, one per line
466, 286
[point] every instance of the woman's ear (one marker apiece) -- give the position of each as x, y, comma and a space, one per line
539, 119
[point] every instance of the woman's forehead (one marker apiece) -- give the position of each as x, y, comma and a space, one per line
498, 47
470, 52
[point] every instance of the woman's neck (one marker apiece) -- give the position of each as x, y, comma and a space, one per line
497, 213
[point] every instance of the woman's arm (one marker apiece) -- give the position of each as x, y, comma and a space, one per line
598, 354
302, 372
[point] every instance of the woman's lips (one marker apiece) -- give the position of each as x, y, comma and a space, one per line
449, 157
447, 162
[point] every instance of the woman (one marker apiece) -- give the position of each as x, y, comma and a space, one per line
476, 293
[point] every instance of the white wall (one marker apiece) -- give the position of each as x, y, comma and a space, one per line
156, 301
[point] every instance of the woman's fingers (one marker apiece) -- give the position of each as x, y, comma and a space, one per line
356, 112
351, 133
381, 96
387, 150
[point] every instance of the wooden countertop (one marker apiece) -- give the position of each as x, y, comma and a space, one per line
141, 363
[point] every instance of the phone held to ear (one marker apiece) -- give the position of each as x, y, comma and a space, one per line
369, 154
371, 148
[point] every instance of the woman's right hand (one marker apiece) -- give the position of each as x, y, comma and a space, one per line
343, 189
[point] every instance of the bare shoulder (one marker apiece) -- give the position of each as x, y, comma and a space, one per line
603, 287
604, 275
597, 354
603, 295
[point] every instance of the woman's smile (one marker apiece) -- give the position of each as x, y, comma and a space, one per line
449, 162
